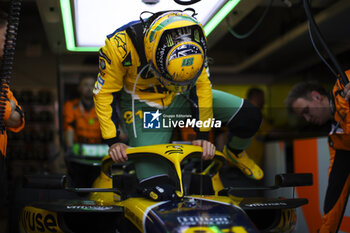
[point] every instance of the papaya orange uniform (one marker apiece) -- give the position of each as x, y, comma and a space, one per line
3, 135
339, 180
83, 122
3, 145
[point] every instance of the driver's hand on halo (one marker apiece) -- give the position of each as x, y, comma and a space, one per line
118, 152
208, 148
347, 91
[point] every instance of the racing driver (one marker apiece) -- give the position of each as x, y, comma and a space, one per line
153, 68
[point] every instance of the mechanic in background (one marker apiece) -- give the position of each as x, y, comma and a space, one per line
80, 121
13, 118
159, 67
81, 127
312, 102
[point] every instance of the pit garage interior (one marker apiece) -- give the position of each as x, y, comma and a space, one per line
277, 54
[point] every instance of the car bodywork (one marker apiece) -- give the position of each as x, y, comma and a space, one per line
115, 205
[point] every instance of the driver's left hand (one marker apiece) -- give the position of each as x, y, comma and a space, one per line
208, 148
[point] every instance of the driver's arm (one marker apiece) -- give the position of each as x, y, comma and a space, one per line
204, 111
109, 82
204, 97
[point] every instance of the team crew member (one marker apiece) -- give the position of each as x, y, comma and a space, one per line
312, 102
13, 117
80, 120
81, 127
159, 67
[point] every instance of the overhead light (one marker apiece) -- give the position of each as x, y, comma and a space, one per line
91, 21
218, 17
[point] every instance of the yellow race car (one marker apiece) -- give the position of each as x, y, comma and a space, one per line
114, 204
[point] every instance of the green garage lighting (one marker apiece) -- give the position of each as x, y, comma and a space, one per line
70, 34
222, 13
69, 31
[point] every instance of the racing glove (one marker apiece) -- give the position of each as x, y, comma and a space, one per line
159, 189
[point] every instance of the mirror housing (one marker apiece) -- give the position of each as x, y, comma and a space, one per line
293, 179
44, 181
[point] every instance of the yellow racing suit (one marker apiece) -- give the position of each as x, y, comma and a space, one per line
126, 80
122, 67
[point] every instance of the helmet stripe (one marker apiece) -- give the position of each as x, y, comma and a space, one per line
169, 21
174, 19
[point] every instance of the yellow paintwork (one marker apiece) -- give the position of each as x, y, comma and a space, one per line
236, 199
104, 198
217, 184
203, 229
287, 221
34, 220
236, 229
196, 229
135, 208
175, 153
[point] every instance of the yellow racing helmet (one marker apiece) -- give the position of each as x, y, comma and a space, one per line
176, 48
